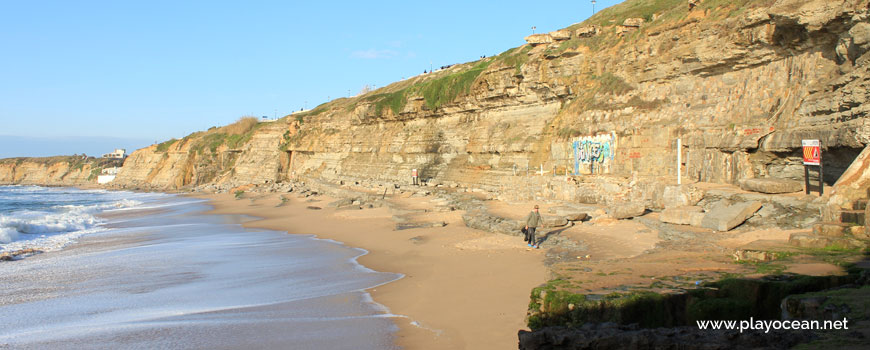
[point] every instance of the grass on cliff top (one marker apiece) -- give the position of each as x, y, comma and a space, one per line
164, 146
656, 14
645, 9
233, 136
668, 10
515, 57
436, 91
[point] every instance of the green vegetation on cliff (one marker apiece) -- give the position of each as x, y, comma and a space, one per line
439, 89
164, 146
232, 136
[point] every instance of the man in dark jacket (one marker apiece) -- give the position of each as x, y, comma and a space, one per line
532, 223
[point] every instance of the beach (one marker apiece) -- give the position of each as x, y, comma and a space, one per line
124, 270
462, 288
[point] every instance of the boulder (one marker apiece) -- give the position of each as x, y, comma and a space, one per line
560, 35
626, 210
681, 196
538, 39
803, 307
554, 221
687, 215
587, 31
341, 203
577, 217
830, 229
481, 220
725, 218
570, 213
769, 185
859, 232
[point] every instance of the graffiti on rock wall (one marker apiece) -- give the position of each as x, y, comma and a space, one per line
594, 154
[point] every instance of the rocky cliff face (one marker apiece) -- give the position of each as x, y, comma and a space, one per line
739, 83
53, 171
740, 86
214, 156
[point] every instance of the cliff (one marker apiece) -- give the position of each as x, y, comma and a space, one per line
53, 171
740, 83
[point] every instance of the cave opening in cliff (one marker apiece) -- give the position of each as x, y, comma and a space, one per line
789, 165
836, 160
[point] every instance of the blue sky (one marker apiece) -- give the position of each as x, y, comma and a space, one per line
85, 74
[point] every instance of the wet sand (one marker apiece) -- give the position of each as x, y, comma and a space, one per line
463, 288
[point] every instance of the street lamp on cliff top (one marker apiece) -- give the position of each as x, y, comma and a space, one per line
593, 7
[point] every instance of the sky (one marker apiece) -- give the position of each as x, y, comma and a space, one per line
90, 76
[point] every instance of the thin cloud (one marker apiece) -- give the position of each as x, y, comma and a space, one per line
372, 54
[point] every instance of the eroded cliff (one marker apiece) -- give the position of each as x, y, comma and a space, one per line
739, 83
54, 171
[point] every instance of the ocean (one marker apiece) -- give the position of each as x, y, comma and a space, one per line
124, 270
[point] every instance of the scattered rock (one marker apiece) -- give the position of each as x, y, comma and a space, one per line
626, 210
830, 229
860, 232
681, 196
341, 203
554, 221
481, 220
693, 215
795, 307
538, 39
725, 218
587, 31
560, 35
411, 225
809, 241
753, 255
14, 255
577, 216
418, 239
769, 185
570, 213
313, 207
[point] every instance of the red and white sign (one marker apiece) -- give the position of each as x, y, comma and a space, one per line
812, 152
414, 173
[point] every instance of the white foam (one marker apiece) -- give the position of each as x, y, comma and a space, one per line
54, 227
8, 235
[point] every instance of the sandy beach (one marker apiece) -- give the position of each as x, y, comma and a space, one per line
462, 288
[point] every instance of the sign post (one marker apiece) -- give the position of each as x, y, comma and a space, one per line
812, 154
414, 177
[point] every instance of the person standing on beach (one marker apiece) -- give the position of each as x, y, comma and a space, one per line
532, 222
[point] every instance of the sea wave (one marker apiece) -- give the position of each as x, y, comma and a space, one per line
8, 234
53, 227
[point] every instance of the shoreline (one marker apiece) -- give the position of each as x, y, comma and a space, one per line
461, 288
